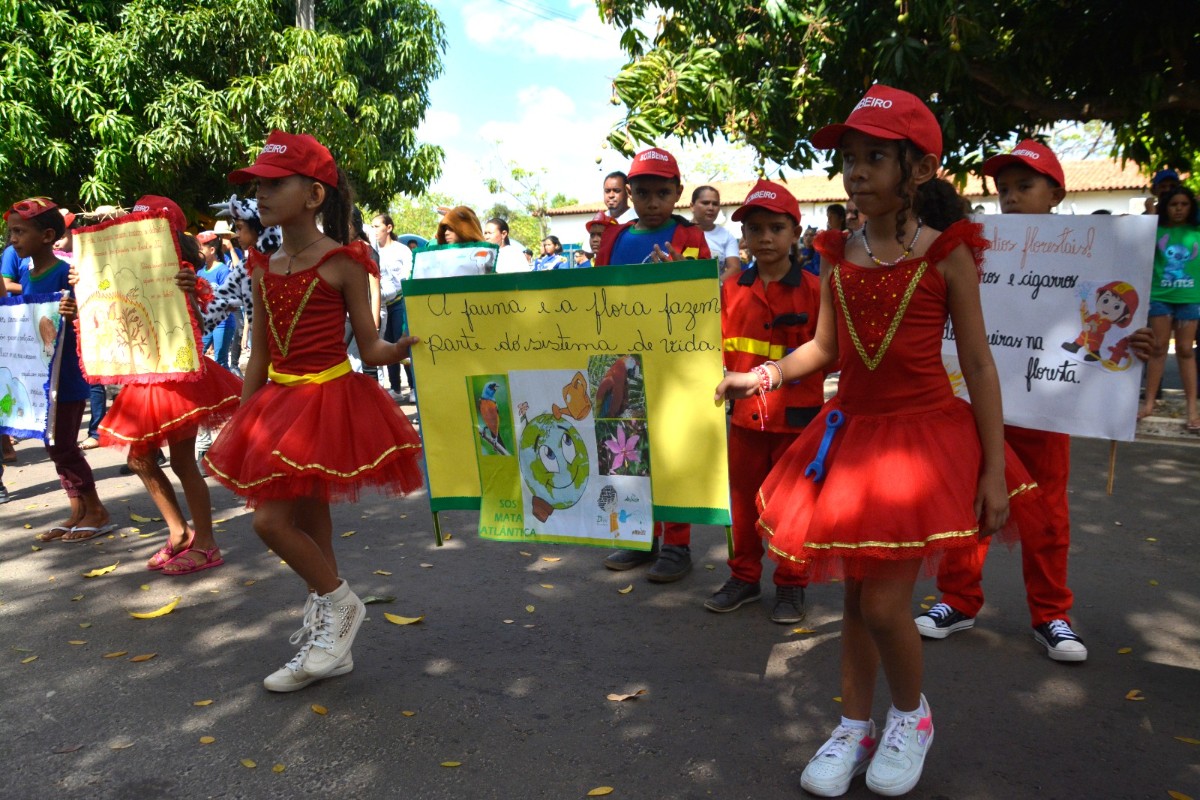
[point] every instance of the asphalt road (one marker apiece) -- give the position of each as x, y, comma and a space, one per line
509, 671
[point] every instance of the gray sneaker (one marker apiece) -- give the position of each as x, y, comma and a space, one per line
622, 560
732, 596
789, 605
674, 561
4, 498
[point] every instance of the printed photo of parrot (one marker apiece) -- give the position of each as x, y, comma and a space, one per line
612, 393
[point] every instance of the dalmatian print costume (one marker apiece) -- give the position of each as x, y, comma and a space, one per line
236, 291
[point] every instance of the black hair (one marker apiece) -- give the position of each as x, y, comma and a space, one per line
501, 226
935, 203
357, 231
51, 219
335, 211
697, 191
189, 248
554, 239
839, 211
618, 174
1193, 217
387, 220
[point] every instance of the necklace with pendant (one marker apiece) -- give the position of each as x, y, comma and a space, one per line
292, 258
907, 251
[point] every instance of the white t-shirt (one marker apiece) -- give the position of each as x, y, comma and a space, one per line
722, 244
511, 259
395, 264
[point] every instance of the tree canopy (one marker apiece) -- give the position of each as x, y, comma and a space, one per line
771, 73
101, 102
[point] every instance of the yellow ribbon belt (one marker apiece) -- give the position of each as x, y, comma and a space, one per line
324, 376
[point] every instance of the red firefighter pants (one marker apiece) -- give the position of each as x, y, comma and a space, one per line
751, 455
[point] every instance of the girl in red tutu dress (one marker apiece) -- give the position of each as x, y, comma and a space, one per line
895, 470
315, 432
148, 416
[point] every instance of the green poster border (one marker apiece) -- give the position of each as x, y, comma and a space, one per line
625, 275
694, 515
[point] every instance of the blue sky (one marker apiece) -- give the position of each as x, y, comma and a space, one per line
526, 81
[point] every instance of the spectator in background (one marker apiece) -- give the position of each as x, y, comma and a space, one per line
459, 226
395, 264
616, 197
809, 259
583, 259
1164, 182
595, 229
854, 217
509, 259
835, 217
552, 257
706, 207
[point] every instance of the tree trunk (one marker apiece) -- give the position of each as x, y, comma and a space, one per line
306, 14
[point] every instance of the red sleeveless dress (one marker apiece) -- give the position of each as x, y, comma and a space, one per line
146, 416
324, 440
900, 473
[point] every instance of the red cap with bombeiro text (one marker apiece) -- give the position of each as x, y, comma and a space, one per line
287, 154
887, 113
1031, 153
153, 202
656, 162
770, 197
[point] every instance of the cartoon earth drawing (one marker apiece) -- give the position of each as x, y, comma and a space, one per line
554, 463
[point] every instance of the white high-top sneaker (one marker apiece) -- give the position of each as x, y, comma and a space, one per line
292, 676
338, 617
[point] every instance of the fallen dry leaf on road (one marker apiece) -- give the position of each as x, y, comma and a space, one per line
278, 768
143, 657
837, 699
1174, 795
546, 585
1153, 582
348, 534
1125, 651
926, 606
803, 630
138, 517
29, 660
1134, 694
250, 582
96, 573
426, 566
617, 698
85, 624
77, 641
522, 552
509, 621
158, 612
600, 791
1151, 539
626, 590
551, 559
1188, 740
530, 609
35, 548
248, 764
120, 746
396, 619
408, 713
382, 572
207, 740
316, 709
203, 703
451, 763
117, 654
372, 599
67, 748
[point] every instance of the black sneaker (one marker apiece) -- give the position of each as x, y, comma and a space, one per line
1061, 643
622, 560
732, 596
941, 621
674, 561
789, 605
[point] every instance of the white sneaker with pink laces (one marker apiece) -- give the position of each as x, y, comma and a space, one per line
846, 754
898, 761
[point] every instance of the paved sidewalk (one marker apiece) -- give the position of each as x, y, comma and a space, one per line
509, 670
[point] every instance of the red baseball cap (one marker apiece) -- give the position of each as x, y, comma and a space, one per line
204, 237
1032, 154
602, 220
287, 154
655, 161
31, 207
769, 196
887, 113
152, 202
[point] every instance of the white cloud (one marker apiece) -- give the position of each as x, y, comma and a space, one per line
536, 28
438, 126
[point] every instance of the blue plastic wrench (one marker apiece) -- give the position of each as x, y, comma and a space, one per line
816, 470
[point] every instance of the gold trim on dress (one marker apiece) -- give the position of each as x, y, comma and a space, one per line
286, 344
166, 425
873, 361
329, 471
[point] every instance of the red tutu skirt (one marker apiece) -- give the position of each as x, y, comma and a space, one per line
145, 416
895, 487
325, 441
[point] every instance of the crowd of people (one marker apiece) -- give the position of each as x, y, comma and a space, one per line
892, 478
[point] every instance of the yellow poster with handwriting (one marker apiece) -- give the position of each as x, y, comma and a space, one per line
134, 325
626, 357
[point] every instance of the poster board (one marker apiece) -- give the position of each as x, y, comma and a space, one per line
619, 362
134, 324
31, 335
452, 260
1061, 294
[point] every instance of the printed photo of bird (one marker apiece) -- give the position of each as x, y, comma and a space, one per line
489, 416
612, 393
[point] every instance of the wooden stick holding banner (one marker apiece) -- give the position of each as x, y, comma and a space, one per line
1112, 465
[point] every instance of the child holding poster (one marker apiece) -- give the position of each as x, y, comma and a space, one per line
1029, 180
1175, 297
769, 311
895, 471
656, 235
34, 225
315, 431
146, 417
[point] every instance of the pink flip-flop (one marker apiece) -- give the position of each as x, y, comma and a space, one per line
186, 566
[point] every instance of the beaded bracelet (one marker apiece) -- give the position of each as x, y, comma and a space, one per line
764, 386
778, 369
